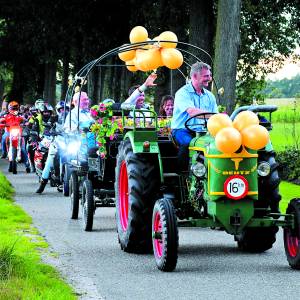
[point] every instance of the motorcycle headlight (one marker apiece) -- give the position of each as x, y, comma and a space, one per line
198, 169
263, 169
14, 132
73, 147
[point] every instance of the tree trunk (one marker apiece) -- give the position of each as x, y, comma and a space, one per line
201, 29
65, 75
226, 53
1, 89
50, 83
18, 84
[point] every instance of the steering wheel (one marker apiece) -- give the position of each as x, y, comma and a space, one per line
205, 116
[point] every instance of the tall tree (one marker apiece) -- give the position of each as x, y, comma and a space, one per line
226, 49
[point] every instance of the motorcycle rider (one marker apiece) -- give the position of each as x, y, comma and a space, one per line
13, 119
54, 146
41, 118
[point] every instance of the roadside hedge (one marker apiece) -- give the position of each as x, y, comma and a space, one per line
289, 164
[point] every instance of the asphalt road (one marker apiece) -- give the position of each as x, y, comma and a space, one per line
209, 265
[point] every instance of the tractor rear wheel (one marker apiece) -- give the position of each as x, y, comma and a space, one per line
136, 186
291, 236
257, 239
165, 235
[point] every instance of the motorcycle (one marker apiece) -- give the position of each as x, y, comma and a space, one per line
14, 143
41, 154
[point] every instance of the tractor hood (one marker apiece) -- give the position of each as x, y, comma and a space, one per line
233, 175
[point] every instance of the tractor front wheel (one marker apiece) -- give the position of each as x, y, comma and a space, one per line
165, 235
291, 236
257, 239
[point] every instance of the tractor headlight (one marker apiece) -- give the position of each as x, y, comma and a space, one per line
198, 169
263, 168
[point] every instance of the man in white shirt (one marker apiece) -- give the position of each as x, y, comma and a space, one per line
80, 114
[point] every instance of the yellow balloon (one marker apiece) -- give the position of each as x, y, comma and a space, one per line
138, 34
168, 36
255, 137
126, 55
171, 58
130, 65
228, 140
245, 119
216, 122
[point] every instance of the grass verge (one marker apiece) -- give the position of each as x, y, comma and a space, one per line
288, 191
285, 134
22, 274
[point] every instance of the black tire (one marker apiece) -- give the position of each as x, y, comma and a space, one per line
14, 161
87, 204
136, 189
268, 187
257, 239
74, 195
52, 182
165, 235
291, 236
66, 179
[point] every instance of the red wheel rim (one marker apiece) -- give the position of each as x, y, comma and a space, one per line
292, 244
158, 240
123, 196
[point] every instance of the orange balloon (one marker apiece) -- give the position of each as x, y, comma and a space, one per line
141, 60
216, 122
228, 140
245, 119
168, 36
154, 58
171, 58
255, 137
130, 65
138, 34
148, 46
148, 60
126, 55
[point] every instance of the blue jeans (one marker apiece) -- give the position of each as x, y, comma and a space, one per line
183, 138
3, 144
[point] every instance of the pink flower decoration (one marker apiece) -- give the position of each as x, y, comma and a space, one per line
93, 113
99, 144
102, 107
111, 137
100, 121
102, 155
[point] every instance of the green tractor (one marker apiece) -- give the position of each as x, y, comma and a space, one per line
235, 192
